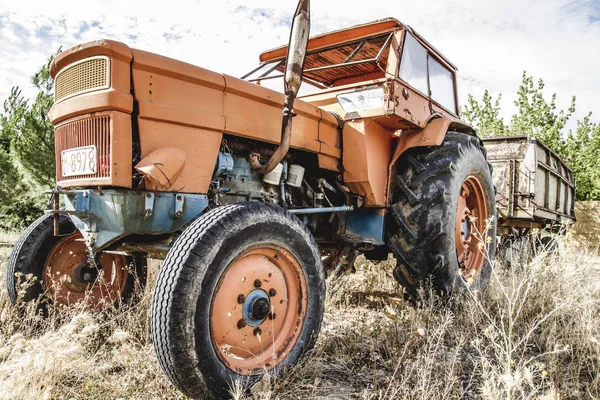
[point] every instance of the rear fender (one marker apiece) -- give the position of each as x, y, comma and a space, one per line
432, 134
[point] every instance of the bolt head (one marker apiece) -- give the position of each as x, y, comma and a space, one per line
241, 298
272, 292
257, 283
257, 331
241, 324
272, 315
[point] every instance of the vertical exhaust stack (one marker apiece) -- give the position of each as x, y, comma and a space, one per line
292, 80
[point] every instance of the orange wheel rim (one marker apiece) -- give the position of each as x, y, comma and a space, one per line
69, 279
471, 214
258, 309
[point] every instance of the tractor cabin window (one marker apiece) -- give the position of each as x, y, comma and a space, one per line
414, 66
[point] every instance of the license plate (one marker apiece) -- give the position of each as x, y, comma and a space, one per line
79, 161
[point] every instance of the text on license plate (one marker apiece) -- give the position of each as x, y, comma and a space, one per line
79, 161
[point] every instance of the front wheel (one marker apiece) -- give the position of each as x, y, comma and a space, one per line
444, 217
56, 269
240, 293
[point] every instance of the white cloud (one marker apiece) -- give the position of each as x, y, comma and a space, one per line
491, 42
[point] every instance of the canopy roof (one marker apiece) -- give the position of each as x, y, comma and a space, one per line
341, 55
348, 46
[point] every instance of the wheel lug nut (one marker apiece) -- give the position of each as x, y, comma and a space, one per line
257, 331
241, 324
241, 298
272, 315
257, 283
272, 292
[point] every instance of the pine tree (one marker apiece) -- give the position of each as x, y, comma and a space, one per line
27, 131
26, 153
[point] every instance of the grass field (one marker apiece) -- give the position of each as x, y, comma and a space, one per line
534, 333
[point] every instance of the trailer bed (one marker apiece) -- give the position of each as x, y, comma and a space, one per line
535, 188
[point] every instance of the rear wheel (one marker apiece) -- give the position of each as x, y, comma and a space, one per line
56, 269
443, 216
241, 293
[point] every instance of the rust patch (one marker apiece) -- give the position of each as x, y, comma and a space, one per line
250, 349
64, 272
471, 215
405, 94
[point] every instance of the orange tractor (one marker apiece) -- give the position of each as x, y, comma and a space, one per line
157, 158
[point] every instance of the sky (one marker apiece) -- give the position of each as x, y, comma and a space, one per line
491, 42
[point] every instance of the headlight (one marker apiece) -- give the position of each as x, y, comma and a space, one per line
361, 100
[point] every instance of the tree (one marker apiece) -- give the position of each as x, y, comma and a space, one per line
485, 116
19, 205
26, 131
535, 116
582, 152
26, 153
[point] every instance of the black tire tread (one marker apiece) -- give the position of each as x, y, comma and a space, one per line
26, 247
418, 242
179, 266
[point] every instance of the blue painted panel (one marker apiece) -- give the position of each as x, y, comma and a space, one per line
364, 225
104, 217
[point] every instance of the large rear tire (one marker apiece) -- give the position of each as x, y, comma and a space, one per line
55, 269
240, 293
443, 220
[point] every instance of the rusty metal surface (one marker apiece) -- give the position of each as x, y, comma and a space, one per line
63, 276
366, 153
246, 344
335, 38
116, 97
191, 108
162, 167
336, 65
470, 228
532, 182
104, 130
292, 80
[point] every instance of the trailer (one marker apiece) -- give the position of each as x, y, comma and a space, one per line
535, 189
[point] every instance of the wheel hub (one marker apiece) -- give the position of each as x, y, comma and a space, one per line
69, 278
258, 309
88, 274
471, 212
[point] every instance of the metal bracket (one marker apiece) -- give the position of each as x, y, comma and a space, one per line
179, 203
148, 205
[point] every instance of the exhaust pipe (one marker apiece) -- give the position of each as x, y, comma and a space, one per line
292, 80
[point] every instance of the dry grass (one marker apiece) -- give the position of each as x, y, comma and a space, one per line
534, 333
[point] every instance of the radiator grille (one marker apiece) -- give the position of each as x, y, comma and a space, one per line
84, 76
85, 132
